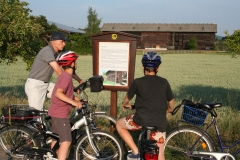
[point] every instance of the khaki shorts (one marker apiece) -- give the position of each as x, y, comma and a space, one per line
36, 92
62, 127
154, 135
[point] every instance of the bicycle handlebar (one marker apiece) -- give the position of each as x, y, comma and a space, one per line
82, 86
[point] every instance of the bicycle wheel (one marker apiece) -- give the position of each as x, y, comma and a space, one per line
14, 138
104, 121
181, 139
107, 144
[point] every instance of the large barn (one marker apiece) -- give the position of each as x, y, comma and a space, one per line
164, 36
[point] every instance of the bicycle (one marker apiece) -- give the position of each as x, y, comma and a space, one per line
190, 141
148, 150
91, 145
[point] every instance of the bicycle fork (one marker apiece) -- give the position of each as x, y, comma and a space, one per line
84, 121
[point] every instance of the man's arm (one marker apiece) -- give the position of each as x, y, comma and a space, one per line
170, 106
76, 77
56, 67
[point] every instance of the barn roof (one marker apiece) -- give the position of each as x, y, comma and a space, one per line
65, 28
159, 27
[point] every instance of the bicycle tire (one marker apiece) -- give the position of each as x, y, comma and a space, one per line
180, 139
13, 138
108, 145
104, 121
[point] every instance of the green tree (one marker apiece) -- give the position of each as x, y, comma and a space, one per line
79, 43
233, 42
18, 33
94, 22
82, 44
43, 37
48, 29
192, 43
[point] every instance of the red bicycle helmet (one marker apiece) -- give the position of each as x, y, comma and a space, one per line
66, 58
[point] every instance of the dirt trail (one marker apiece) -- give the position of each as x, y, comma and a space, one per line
3, 155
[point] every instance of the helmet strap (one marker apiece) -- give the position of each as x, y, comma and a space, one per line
73, 70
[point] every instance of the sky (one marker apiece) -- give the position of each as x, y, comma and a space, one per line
73, 13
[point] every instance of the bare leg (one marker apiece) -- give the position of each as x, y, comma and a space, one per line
125, 135
63, 150
161, 151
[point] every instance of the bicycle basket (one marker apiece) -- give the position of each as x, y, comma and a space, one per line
194, 116
18, 113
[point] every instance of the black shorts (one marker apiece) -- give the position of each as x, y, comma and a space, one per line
62, 127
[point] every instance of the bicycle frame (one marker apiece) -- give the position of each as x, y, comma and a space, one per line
222, 146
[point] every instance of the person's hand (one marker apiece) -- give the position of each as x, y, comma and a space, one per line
77, 104
169, 110
78, 91
81, 81
126, 107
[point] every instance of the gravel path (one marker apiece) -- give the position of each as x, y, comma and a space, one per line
3, 155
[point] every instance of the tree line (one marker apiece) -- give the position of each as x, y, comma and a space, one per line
23, 35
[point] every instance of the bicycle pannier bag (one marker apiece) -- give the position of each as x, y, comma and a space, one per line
18, 113
96, 83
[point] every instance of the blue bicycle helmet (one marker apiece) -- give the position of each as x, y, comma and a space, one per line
151, 59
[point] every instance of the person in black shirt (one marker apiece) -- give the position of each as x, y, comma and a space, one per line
154, 98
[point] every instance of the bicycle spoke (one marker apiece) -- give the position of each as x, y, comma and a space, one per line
108, 146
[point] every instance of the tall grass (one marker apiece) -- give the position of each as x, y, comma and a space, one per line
198, 77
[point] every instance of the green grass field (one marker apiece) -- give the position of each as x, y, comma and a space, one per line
206, 77
198, 77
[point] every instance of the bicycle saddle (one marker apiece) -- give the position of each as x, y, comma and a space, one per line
151, 128
211, 106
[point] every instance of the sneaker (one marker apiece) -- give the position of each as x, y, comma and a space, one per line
133, 156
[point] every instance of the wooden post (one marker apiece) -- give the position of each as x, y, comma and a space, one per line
113, 108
